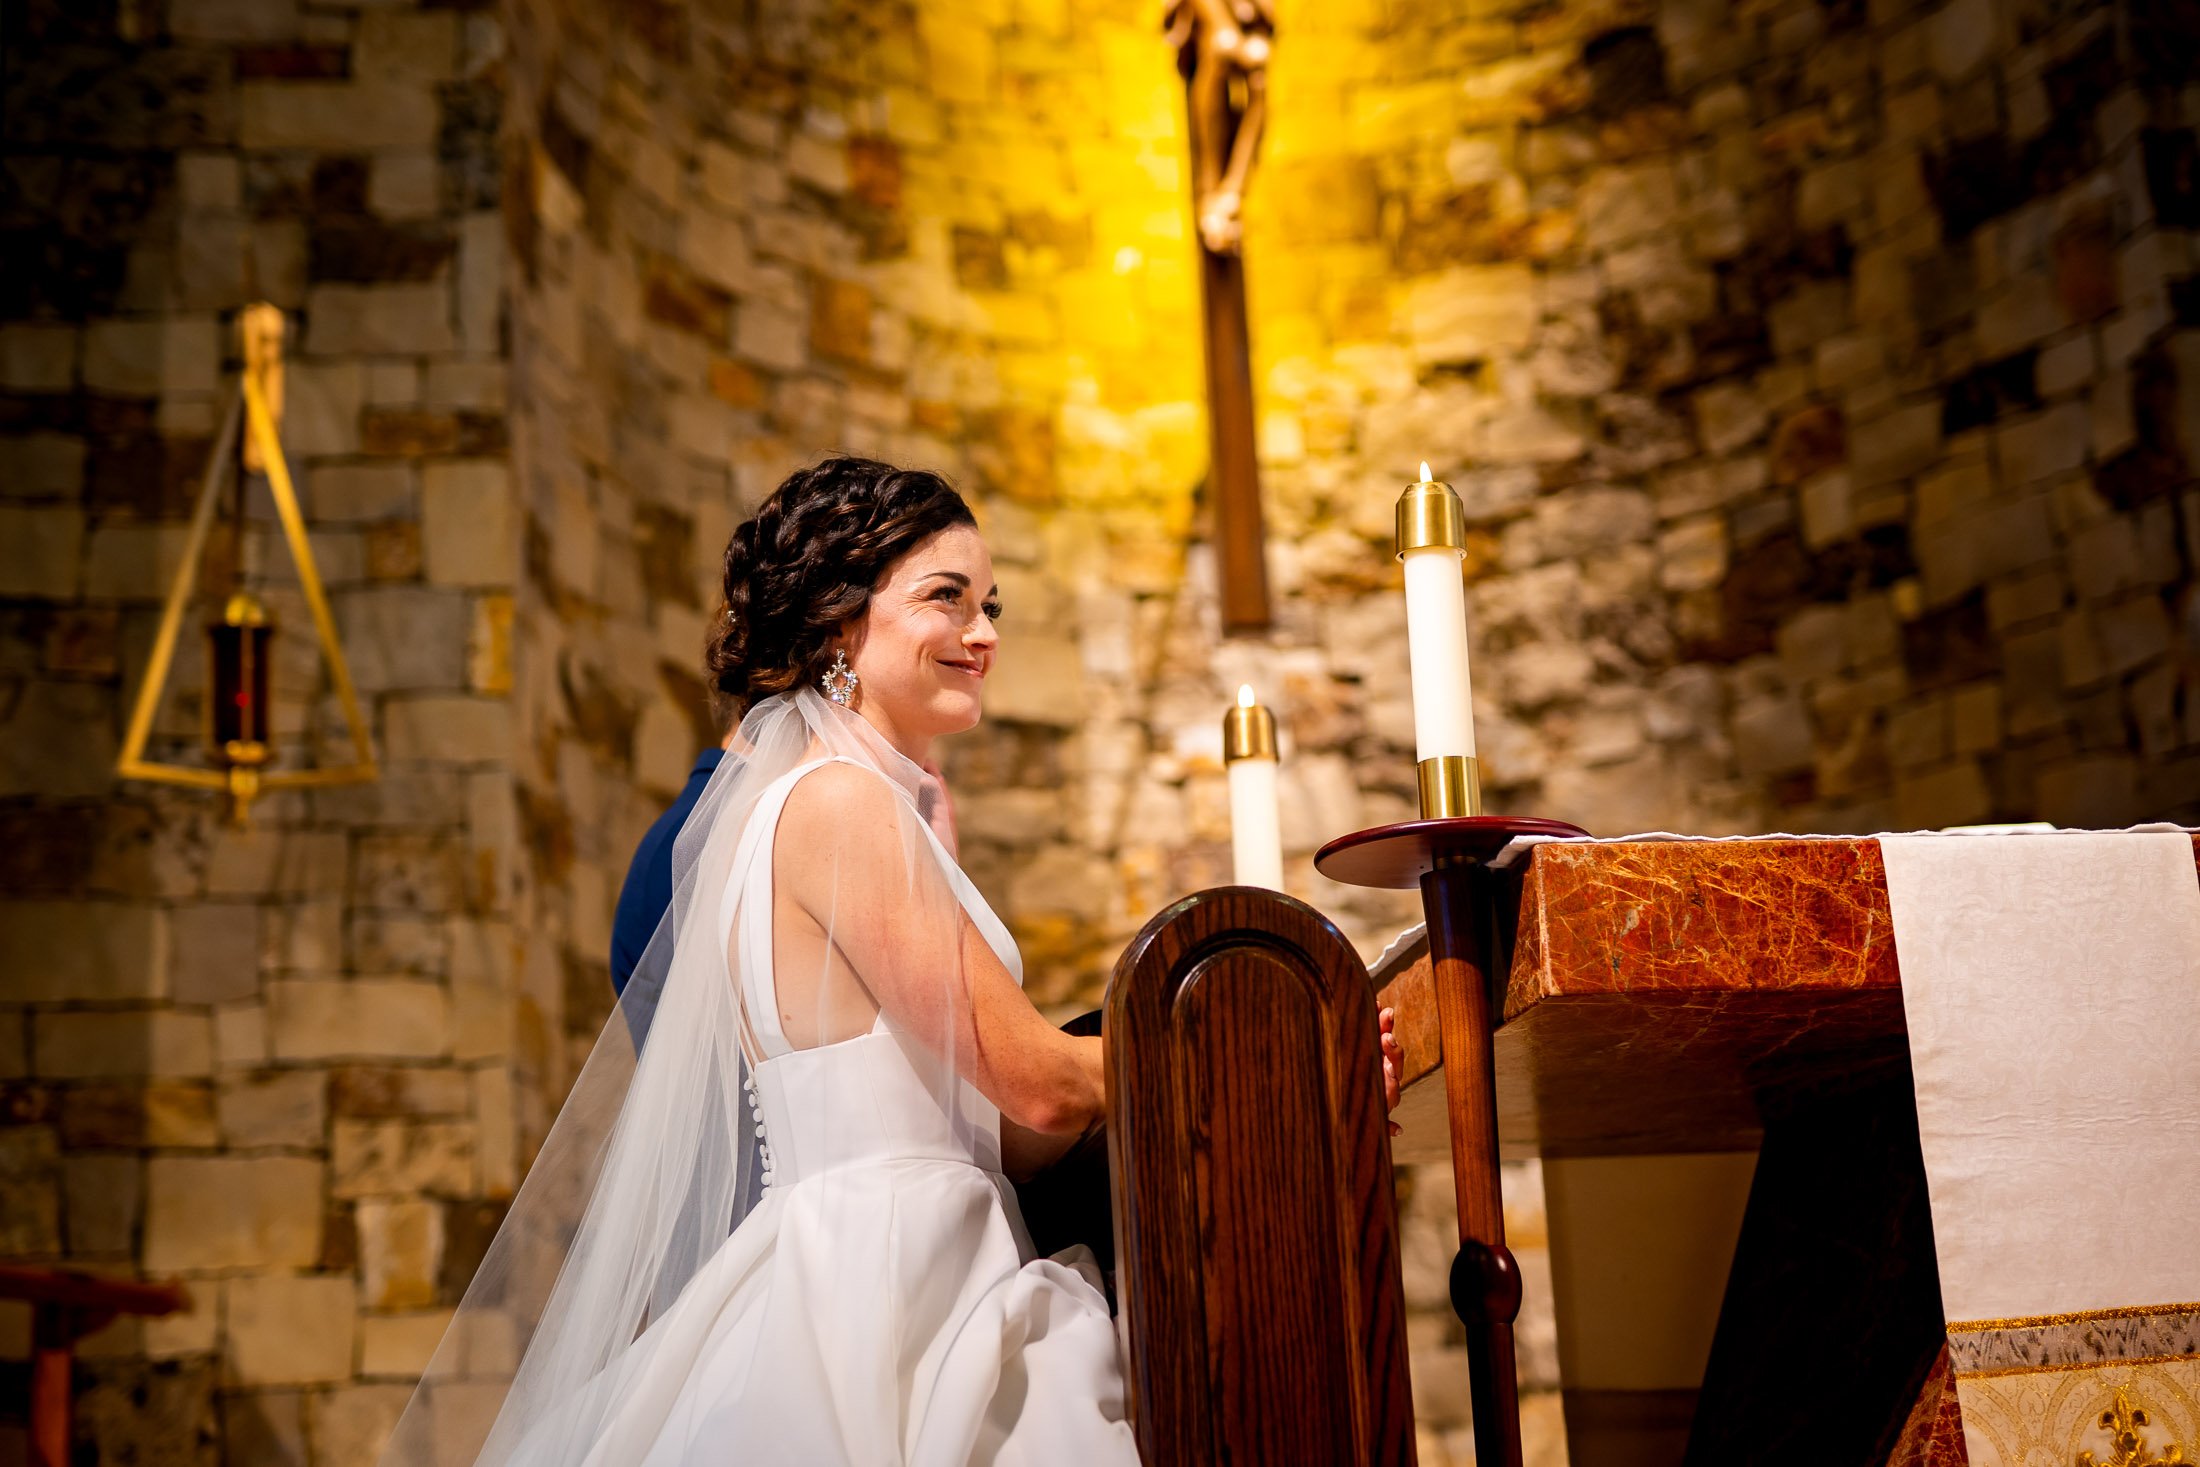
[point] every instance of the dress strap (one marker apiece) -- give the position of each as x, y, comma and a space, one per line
751, 881
749, 892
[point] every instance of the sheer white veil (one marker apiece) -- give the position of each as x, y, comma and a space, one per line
642, 1177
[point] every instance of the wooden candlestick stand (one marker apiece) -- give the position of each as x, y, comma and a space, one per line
1449, 860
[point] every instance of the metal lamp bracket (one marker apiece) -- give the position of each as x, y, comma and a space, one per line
255, 406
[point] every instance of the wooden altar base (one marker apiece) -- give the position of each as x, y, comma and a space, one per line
1831, 1322
66, 1305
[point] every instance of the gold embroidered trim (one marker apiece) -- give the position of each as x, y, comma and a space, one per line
2033, 1321
2054, 1367
2122, 1421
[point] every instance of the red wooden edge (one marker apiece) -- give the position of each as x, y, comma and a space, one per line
68, 1289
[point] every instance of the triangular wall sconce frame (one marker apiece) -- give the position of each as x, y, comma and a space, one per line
242, 783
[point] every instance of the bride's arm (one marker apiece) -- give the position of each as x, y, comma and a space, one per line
854, 858
1050, 1085
1025, 1154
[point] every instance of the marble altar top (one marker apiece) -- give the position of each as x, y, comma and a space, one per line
1657, 995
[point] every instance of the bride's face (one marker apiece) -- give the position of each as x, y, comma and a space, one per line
922, 649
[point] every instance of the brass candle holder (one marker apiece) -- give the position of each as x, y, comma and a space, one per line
1449, 854
1248, 732
1430, 515
1451, 785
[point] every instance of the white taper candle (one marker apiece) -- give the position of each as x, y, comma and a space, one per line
1437, 649
1431, 542
1256, 823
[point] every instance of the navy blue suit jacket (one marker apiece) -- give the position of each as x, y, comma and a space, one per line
648, 889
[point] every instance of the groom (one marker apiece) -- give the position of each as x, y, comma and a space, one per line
647, 891
645, 896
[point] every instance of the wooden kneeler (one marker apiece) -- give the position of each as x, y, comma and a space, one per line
1256, 1228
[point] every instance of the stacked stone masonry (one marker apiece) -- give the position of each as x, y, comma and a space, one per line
1820, 380
277, 1063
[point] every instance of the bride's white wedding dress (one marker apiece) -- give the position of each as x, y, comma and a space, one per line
880, 1304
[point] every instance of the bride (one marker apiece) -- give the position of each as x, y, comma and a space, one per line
827, 988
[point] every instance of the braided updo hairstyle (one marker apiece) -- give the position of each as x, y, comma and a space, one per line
809, 559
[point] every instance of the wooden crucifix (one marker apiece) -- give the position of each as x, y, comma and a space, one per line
1222, 49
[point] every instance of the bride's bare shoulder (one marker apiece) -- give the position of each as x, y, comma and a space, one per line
837, 805
845, 828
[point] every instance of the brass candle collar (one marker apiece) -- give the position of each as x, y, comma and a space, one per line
1451, 785
1430, 516
243, 609
1248, 732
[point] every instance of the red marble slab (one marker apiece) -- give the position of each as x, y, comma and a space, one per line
1933, 1435
1690, 917
1656, 990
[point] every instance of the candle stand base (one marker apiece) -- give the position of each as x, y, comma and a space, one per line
1449, 860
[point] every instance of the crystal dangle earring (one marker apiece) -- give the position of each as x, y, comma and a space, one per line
839, 680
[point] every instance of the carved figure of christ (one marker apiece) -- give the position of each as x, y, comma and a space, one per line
1222, 52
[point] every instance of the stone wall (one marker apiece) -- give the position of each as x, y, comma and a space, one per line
274, 1062
1818, 378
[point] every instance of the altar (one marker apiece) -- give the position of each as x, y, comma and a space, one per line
1711, 999
1859, 1150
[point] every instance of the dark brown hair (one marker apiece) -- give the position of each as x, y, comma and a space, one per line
808, 560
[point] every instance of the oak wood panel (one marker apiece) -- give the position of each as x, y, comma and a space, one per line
1256, 1227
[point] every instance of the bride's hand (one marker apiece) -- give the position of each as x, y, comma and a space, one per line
941, 817
1393, 1057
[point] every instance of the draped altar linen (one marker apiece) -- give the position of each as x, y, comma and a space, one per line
2051, 989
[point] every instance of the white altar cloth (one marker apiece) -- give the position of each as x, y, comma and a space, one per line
2051, 988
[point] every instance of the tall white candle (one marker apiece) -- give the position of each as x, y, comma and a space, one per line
1436, 646
1431, 541
1256, 825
